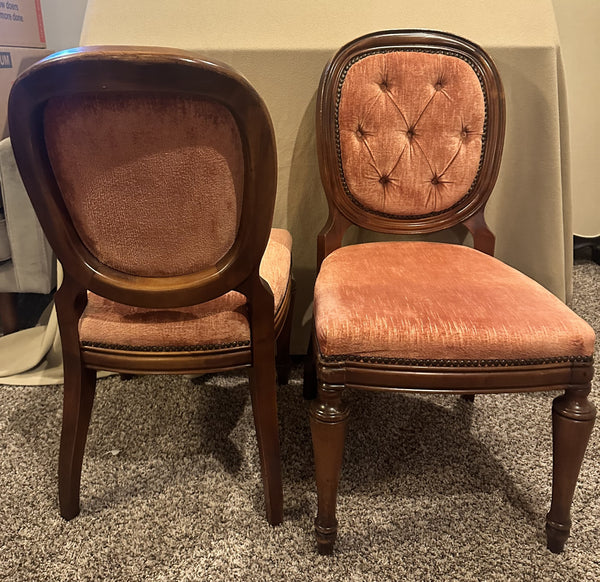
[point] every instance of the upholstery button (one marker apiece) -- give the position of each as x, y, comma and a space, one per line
410, 133
384, 179
384, 86
438, 86
435, 180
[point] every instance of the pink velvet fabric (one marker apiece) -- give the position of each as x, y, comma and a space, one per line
153, 184
221, 321
439, 301
410, 131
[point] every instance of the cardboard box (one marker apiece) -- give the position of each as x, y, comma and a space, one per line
21, 24
13, 61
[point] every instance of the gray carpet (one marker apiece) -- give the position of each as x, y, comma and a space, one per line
433, 488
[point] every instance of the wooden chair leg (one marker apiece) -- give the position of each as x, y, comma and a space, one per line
328, 422
309, 389
79, 391
572, 421
284, 362
9, 320
263, 390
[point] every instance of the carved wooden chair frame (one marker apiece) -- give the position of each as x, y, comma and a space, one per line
131, 70
573, 414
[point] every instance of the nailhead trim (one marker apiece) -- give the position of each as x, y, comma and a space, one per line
194, 348
455, 363
337, 132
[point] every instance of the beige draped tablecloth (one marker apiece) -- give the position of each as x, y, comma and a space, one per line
282, 47
578, 22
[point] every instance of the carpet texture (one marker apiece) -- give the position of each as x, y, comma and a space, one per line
433, 488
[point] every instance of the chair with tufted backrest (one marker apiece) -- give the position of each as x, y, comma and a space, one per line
410, 127
153, 174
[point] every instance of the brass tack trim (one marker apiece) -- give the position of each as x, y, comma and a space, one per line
452, 363
192, 348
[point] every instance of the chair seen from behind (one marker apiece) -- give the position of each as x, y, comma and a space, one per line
153, 174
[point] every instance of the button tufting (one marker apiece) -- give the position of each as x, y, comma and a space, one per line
394, 135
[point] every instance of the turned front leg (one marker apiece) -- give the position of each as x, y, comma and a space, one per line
328, 421
572, 421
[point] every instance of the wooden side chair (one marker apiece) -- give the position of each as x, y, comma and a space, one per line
410, 128
153, 173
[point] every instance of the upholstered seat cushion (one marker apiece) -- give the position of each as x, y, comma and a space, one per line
218, 323
421, 300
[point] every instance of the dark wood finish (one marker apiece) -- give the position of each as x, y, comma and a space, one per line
573, 414
79, 390
328, 424
263, 391
9, 320
143, 70
483, 238
283, 359
572, 422
309, 389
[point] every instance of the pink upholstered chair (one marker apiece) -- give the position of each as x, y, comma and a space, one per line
410, 127
153, 173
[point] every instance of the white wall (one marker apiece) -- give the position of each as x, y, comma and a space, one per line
62, 21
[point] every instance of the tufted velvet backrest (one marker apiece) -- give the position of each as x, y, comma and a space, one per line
153, 183
410, 129
152, 171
